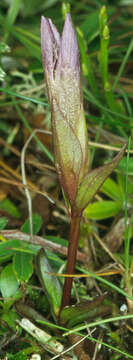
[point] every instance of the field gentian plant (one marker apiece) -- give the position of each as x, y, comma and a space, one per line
60, 56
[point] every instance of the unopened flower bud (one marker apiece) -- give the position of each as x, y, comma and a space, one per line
61, 63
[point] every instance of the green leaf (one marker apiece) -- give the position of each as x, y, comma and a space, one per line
121, 178
92, 182
8, 282
10, 208
90, 26
30, 46
3, 222
31, 9
57, 240
55, 260
21, 355
111, 189
123, 165
13, 11
10, 319
103, 209
50, 283
22, 265
28, 34
8, 248
82, 311
37, 223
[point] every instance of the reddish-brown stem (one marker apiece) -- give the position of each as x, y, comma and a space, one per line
71, 258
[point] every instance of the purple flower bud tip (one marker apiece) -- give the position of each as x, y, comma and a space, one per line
69, 53
50, 42
59, 52
46, 44
56, 34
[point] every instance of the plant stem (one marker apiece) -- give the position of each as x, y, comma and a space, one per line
71, 259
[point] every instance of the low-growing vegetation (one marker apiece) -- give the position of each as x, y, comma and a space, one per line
66, 182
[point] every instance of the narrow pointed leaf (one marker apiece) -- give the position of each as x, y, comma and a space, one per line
75, 314
92, 182
68, 154
27, 311
50, 283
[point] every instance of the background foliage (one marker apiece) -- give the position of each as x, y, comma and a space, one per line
105, 38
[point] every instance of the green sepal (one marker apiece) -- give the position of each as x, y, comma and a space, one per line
68, 153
